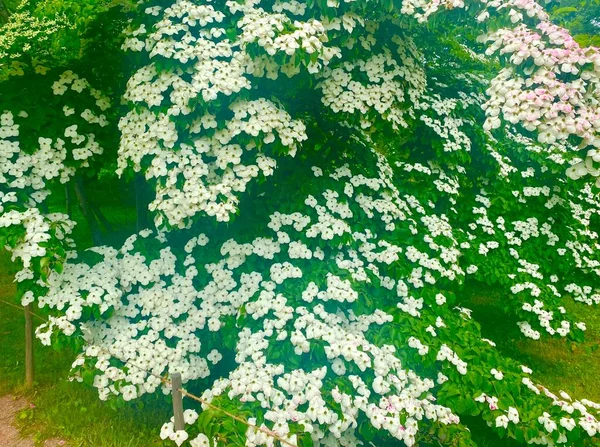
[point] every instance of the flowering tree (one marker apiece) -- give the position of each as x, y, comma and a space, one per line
326, 175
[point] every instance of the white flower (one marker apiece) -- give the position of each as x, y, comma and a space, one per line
166, 430
190, 416
338, 367
526, 370
497, 374
513, 415
440, 299
549, 424
179, 437
200, 441
568, 423
129, 392
502, 421
214, 356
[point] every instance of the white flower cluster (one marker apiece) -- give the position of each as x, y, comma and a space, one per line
545, 317
394, 81
31, 168
155, 298
150, 302
168, 431
22, 170
38, 229
141, 346
23, 28
445, 353
203, 65
506, 168
353, 273
522, 238
69, 80
272, 33
208, 173
447, 127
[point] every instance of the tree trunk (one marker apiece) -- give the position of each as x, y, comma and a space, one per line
68, 198
43, 207
87, 211
4, 13
101, 218
28, 347
141, 205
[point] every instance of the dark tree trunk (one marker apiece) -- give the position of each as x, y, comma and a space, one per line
141, 202
4, 13
87, 211
101, 218
68, 198
43, 206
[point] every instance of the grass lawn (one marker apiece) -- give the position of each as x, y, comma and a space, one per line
556, 363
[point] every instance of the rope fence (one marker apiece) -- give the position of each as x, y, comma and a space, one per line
22, 309
177, 390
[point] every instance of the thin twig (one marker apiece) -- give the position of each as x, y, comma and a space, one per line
237, 418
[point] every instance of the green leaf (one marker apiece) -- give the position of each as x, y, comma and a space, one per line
564, 10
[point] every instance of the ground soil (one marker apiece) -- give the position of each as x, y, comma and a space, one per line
9, 434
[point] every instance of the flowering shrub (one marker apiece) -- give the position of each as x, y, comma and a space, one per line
327, 175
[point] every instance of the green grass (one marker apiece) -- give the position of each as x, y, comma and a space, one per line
557, 364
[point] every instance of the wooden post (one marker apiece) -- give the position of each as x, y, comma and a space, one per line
28, 347
177, 400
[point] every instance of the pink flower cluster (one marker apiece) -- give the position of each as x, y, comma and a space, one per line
557, 93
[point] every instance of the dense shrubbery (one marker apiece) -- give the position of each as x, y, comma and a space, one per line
326, 175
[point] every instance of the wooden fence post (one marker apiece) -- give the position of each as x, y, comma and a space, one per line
28, 347
177, 400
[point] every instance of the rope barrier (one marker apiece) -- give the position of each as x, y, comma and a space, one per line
167, 381
23, 308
